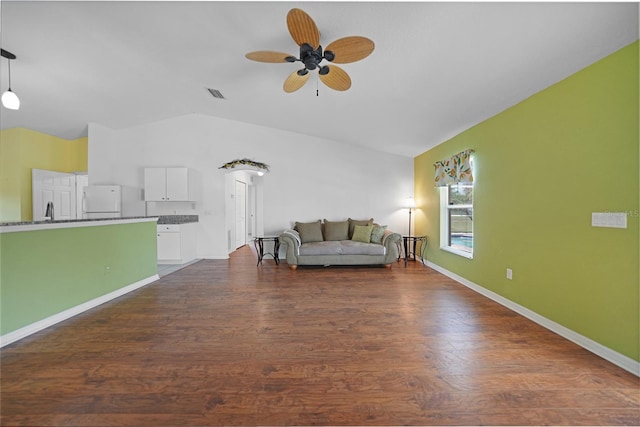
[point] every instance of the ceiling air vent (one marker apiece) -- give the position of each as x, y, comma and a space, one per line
216, 93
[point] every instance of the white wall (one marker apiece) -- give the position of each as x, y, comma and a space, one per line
310, 178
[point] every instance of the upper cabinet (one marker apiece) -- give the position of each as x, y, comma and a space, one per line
170, 185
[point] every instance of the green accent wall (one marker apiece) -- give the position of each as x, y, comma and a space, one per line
45, 272
22, 150
541, 168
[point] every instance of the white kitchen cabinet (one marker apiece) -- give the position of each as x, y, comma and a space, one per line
155, 184
176, 243
170, 185
168, 245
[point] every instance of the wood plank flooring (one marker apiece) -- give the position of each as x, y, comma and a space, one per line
223, 342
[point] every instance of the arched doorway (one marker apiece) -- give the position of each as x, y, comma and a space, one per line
243, 207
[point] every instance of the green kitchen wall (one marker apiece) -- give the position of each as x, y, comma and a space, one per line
541, 168
22, 150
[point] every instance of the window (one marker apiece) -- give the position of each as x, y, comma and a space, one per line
456, 219
454, 177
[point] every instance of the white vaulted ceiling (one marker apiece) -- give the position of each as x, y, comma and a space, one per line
437, 69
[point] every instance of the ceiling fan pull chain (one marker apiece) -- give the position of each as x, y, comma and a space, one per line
317, 78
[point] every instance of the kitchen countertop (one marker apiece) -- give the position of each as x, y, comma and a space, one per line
177, 219
8, 227
61, 221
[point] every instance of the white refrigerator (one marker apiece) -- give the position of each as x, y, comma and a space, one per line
102, 201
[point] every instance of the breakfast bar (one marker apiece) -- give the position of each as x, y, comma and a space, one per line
53, 270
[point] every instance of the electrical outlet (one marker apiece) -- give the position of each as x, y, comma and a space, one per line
509, 274
609, 219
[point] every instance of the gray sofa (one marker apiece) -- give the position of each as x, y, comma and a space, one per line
350, 242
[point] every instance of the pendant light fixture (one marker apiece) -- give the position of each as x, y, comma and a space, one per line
9, 99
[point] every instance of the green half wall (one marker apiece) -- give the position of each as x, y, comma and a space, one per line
541, 168
45, 272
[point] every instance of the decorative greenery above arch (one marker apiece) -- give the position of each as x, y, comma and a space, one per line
245, 164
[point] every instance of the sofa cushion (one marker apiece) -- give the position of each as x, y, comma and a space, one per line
309, 231
344, 247
352, 247
336, 230
377, 233
321, 248
362, 233
354, 222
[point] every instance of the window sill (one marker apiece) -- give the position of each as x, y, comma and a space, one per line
464, 254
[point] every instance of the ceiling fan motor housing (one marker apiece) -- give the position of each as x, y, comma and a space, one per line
311, 57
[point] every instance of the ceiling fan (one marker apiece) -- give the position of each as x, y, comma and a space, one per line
305, 33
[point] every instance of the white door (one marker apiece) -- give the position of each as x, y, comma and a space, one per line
251, 212
57, 187
241, 214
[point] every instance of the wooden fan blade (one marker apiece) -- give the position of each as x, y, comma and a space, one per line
336, 79
295, 82
302, 28
350, 49
267, 56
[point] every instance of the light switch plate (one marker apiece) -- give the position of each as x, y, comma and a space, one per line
609, 219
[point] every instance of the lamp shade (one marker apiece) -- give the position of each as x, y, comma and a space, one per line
410, 203
10, 100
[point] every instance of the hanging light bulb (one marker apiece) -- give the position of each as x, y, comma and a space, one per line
9, 99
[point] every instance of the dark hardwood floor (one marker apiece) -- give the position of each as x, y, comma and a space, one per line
229, 343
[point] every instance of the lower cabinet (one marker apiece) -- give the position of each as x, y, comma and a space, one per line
176, 243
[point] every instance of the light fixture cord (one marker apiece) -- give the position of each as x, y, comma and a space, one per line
9, 63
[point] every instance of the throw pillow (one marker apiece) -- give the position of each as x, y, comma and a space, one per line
362, 233
377, 233
338, 230
354, 222
309, 231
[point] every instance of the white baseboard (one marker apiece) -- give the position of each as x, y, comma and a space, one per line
25, 331
606, 353
211, 256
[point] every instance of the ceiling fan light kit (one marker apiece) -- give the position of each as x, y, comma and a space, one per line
305, 33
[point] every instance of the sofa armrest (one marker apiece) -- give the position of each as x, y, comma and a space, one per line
390, 241
390, 237
292, 240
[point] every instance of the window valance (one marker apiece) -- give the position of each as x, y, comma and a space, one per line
455, 170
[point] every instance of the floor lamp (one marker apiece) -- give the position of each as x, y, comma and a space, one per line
410, 204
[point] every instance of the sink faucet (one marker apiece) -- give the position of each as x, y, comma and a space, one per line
49, 212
